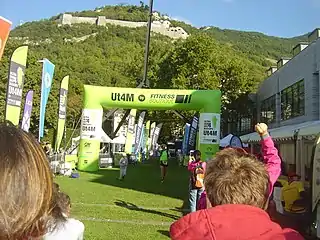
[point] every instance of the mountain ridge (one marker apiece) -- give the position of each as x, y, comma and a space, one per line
143, 11
298, 37
268, 48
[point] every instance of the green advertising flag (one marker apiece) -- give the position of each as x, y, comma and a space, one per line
130, 131
62, 111
147, 134
152, 128
15, 84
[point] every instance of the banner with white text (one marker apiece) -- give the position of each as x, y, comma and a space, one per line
47, 77
130, 131
15, 84
138, 135
62, 115
25, 125
192, 137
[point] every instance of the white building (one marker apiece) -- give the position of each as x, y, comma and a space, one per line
288, 101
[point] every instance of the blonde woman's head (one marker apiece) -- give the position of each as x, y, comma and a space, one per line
25, 185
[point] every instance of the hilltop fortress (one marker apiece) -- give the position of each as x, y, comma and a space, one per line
162, 26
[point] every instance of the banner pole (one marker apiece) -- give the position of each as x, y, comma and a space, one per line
65, 138
65, 134
74, 130
65, 143
55, 162
39, 133
65, 129
146, 53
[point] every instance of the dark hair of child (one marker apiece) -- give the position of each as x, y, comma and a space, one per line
196, 153
61, 205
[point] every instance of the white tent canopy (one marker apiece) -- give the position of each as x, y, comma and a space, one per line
248, 137
119, 140
286, 132
310, 130
224, 142
106, 139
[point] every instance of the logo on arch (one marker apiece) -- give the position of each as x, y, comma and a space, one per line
141, 98
122, 97
183, 98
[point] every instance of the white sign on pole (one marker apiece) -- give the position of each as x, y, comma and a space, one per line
91, 124
209, 128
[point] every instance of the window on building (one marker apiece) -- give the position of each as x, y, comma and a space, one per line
238, 124
240, 117
245, 125
292, 101
268, 109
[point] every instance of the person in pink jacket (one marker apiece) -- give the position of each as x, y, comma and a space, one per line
238, 188
196, 184
270, 157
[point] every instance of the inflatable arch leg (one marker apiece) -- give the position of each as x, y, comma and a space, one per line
208, 102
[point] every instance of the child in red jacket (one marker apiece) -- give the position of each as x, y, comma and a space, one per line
238, 188
270, 157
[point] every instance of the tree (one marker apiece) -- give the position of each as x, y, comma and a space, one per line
202, 63
240, 111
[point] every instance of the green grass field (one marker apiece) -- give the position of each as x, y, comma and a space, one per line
140, 207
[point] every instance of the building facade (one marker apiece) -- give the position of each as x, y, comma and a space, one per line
288, 101
290, 95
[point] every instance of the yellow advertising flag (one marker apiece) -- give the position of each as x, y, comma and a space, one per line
15, 84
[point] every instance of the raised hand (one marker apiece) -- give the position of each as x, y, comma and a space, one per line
261, 129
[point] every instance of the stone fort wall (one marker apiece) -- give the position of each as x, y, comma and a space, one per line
158, 26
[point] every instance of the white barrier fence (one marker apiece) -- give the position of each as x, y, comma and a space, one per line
57, 161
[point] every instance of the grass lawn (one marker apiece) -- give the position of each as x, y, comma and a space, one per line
140, 207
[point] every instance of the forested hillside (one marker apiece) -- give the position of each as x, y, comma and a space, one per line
210, 58
257, 46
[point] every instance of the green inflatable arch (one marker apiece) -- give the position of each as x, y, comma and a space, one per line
208, 102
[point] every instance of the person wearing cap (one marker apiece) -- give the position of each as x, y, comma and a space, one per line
293, 194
